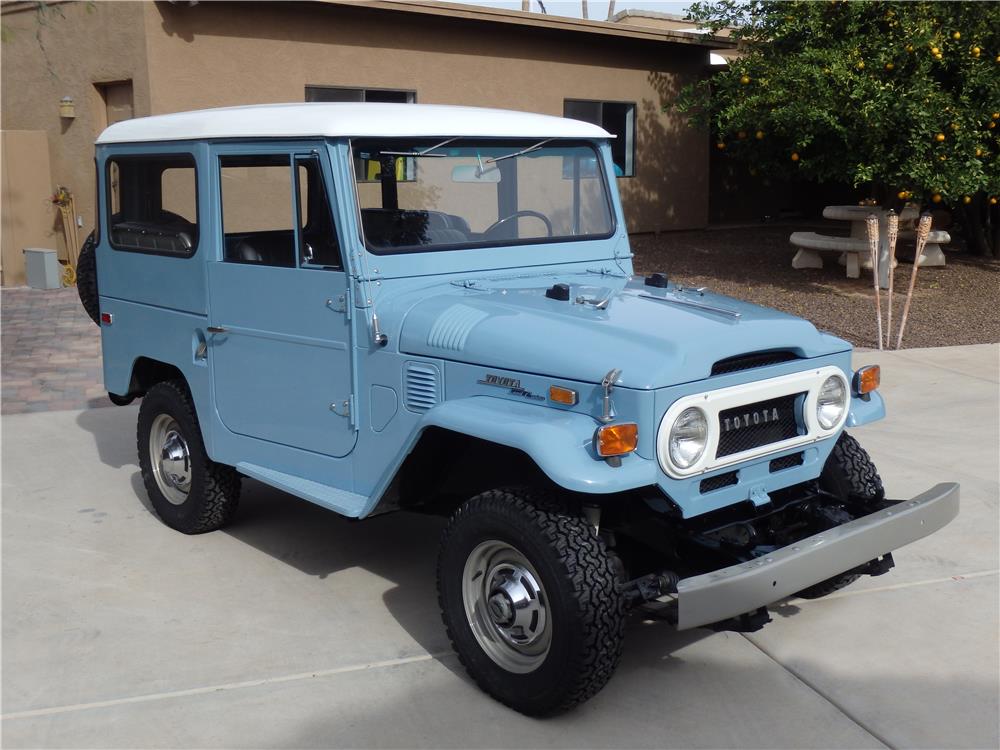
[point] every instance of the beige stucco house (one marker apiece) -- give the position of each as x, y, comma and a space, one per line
71, 68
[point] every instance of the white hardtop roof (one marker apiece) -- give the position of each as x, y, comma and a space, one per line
340, 120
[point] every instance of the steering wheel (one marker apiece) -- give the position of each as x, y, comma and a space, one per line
517, 214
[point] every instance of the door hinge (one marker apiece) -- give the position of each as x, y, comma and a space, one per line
338, 304
345, 409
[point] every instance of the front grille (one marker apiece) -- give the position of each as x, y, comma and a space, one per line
750, 361
718, 482
753, 425
786, 462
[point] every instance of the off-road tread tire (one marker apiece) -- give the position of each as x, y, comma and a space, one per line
850, 474
86, 279
215, 488
588, 578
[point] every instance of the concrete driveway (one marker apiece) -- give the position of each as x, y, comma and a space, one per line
297, 628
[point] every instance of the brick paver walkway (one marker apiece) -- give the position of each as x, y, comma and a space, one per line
51, 352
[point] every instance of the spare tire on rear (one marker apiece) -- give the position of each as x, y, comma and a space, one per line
86, 279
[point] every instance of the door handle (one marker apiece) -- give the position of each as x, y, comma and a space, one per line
217, 329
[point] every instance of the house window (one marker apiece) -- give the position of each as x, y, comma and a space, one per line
345, 94
618, 118
368, 170
153, 204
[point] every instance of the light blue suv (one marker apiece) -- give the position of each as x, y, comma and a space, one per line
387, 307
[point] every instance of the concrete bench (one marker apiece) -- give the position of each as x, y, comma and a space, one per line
932, 255
811, 244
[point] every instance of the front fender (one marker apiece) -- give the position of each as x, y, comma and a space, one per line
863, 412
559, 442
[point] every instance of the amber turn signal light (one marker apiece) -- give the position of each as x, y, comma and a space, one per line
867, 379
616, 439
561, 395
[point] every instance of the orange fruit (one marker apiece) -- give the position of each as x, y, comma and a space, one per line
721, 146
936, 197
992, 124
795, 156
903, 195
995, 115
744, 80
939, 137
860, 65
935, 51
976, 51
909, 48
889, 66
966, 199
979, 152
759, 135
957, 35
993, 200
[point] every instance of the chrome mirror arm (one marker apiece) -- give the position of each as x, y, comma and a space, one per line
608, 385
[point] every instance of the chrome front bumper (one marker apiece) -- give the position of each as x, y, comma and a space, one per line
742, 588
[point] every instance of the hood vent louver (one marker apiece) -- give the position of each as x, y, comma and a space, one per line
750, 361
451, 330
421, 386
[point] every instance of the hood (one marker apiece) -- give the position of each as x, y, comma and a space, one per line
657, 337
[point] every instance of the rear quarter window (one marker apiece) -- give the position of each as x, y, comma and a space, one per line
153, 204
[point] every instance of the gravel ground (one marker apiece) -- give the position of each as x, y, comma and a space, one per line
956, 304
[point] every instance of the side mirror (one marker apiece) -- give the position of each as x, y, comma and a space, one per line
473, 173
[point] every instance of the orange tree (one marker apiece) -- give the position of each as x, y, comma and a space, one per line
901, 96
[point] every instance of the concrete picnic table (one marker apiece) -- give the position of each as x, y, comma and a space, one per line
858, 216
854, 249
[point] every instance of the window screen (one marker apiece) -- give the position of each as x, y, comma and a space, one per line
618, 118
153, 204
346, 94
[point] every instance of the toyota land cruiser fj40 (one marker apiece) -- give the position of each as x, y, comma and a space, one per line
404, 307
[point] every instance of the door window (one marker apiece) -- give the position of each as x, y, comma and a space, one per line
259, 219
257, 209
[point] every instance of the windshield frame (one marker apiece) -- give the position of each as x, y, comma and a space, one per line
516, 144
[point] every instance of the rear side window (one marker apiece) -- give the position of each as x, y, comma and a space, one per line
153, 204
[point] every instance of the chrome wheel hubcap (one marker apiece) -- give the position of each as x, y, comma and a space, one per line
171, 459
506, 606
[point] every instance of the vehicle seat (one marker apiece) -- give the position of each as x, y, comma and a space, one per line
247, 252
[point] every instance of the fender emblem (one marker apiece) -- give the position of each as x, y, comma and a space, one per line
512, 385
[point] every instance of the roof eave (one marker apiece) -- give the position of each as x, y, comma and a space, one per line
537, 20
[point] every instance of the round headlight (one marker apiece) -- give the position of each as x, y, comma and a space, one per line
688, 437
831, 402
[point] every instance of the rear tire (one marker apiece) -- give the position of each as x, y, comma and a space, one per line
850, 475
530, 600
190, 492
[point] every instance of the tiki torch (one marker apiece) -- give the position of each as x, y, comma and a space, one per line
923, 229
872, 224
893, 233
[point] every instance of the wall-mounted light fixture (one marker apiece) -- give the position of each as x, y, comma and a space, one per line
67, 108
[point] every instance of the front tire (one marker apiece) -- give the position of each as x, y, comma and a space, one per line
189, 492
850, 475
530, 600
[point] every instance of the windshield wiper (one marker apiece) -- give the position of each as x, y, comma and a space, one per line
519, 153
425, 152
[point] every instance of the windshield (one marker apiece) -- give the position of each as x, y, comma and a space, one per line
435, 194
